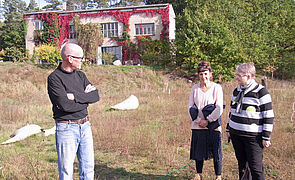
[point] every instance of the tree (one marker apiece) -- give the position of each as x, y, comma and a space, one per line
178, 5
227, 32
53, 5
13, 29
205, 36
125, 2
32, 7
89, 38
76, 4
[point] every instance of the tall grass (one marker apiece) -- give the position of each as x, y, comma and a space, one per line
146, 143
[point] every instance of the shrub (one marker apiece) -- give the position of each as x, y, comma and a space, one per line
13, 54
155, 52
47, 53
2, 54
108, 58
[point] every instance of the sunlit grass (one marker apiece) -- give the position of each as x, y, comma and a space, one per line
146, 143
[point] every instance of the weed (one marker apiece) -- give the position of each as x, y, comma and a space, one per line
147, 143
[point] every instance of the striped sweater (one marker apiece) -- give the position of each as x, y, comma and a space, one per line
257, 114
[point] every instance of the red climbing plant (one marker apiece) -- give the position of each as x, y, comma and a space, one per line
121, 16
50, 32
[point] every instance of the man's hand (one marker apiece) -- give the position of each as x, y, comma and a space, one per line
70, 96
89, 88
266, 143
203, 123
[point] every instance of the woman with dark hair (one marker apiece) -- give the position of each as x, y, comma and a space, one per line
206, 141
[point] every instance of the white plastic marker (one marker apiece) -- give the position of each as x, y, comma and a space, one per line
23, 133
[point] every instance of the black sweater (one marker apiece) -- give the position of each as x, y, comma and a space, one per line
61, 82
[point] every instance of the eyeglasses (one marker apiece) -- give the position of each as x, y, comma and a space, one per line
241, 75
77, 58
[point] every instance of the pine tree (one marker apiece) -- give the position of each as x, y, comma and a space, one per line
32, 7
12, 39
53, 5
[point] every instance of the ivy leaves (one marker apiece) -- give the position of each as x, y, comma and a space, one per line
89, 37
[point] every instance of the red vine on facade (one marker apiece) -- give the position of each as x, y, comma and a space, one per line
52, 33
121, 16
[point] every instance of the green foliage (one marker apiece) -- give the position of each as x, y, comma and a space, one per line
286, 66
12, 29
32, 7
227, 33
50, 32
89, 37
155, 52
13, 54
2, 54
47, 53
82, 4
178, 5
53, 5
76, 4
128, 2
108, 58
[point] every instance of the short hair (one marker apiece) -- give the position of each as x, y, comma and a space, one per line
204, 66
246, 68
68, 49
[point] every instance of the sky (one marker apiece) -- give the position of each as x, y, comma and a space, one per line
41, 2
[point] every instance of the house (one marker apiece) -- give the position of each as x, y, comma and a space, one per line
156, 21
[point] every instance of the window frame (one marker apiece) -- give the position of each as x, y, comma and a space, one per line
110, 29
72, 32
39, 24
113, 49
145, 29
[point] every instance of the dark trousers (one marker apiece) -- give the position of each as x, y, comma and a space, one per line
217, 166
249, 150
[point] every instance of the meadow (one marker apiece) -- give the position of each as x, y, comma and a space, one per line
151, 142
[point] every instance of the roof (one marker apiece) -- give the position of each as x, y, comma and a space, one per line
128, 8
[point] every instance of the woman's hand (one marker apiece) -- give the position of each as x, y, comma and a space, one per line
228, 137
203, 123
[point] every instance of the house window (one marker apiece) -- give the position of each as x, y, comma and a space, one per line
110, 29
115, 50
38, 31
145, 29
72, 33
38, 25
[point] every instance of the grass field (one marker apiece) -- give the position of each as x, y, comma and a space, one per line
151, 142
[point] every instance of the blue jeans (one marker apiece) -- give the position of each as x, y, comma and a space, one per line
72, 139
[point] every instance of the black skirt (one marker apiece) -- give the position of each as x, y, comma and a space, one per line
205, 145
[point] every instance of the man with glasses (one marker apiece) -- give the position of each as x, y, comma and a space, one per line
70, 93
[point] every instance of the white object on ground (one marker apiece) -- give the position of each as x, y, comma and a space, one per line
117, 63
48, 132
130, 103
23, 133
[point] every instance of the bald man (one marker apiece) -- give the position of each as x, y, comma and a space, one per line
70, 93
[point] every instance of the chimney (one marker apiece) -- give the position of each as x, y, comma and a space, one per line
64, 6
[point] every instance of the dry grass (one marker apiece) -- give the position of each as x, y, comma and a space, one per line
146, 143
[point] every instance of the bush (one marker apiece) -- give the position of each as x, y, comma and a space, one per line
47, 53
13, 54
155, 52
108, 58
2, 54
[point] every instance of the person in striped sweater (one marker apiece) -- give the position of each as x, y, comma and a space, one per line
250, 121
